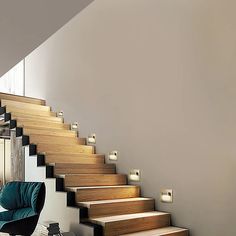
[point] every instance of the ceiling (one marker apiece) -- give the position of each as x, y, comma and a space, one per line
25, 24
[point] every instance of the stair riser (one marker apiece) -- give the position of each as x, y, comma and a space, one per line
60, 133
54, 119
43, 125
65, 149
22, 99
79, 160
136, 225
56, 140
24, 106
62, 171
33, 112
77, 181
120, 208
83, 195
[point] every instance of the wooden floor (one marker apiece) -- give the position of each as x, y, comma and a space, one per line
109, 200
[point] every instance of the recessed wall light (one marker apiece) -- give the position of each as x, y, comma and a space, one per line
60, 114
74, 126
91, 139
134, 175
113, 155
167, 195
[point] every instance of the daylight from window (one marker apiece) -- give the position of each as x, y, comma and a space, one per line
13, 81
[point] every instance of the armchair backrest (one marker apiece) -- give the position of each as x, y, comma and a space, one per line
23, 198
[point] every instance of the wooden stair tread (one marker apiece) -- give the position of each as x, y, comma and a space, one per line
24, 105
158, 232
10, 108
73, 148
78, 165
75, 154
82, 158
108, 219
88, 204
22, 98
37, 119
129, 223
52, 132
118, 206
42, 124
42, 138
77, 168
32, 118
94, 179
109, 192
55, 119
43, 128
99, 187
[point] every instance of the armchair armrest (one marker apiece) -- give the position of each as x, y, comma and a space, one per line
24, 226
6, 215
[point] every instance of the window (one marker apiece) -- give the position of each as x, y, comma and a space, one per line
13, 81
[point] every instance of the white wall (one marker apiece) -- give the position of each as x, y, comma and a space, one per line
155, 80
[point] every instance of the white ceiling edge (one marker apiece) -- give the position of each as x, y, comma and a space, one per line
26, 24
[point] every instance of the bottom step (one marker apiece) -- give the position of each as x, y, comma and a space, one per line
167, 231
131, 223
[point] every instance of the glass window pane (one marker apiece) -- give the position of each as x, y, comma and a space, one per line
13, 81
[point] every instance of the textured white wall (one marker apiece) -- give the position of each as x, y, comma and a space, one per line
155, 80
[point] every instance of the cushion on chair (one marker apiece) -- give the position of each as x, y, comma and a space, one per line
17, 195
24, 202
23, 213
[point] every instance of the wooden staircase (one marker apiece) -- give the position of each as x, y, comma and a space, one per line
105, 198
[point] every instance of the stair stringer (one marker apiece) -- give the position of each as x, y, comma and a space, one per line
55, 207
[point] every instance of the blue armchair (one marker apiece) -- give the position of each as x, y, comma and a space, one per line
23, 201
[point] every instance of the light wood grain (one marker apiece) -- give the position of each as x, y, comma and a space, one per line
122, 224
166, 231
24, 105
42, 147
42, 124
106, 193
94, 180
79, 158
39, 138
75, 168
22, 99
16, 115
118, 206
10, 108
53, 132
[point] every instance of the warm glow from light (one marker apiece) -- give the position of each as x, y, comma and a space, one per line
91, 139
113, 156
